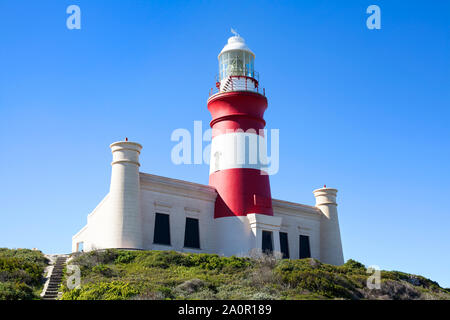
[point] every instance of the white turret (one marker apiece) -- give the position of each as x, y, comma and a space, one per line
330, 236
124, 197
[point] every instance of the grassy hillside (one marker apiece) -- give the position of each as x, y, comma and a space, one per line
121, 274
21, 273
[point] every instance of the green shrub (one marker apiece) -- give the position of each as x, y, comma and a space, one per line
16, 291
322, 282
25, 255
93, 258
214, 262
263, 296
353, 266
116, 290
15, 269
21, 273
125, 257
104, 270
166, 292
410, 278
161, 259
175, 275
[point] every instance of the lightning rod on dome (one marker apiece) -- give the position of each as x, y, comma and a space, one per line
235, 32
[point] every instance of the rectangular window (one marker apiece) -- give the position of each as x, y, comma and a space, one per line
284, 246
267, 242
162, 229
305, 251
191, 234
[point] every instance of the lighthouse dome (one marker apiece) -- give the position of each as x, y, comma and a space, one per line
236, 42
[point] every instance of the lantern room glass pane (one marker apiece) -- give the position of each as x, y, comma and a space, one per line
236, 63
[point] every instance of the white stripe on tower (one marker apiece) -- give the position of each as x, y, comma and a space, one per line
238, 150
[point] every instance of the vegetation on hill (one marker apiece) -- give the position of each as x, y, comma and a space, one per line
21, 273
122, 274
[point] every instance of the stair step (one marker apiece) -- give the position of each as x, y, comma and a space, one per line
55, 279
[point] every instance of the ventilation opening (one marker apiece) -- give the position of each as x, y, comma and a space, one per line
267, 242
305, 251
162, 229
191, 234
284, 246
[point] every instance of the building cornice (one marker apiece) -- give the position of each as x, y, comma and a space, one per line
160, 184
156, 183
292, 208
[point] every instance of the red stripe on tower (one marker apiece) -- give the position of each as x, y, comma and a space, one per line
237, 112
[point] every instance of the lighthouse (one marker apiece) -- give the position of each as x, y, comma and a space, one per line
239, 154
235, 213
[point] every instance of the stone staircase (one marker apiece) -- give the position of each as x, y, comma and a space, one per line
51, 288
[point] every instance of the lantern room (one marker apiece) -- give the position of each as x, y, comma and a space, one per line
236, 59
237, 66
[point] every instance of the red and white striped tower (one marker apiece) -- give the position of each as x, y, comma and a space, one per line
238, 149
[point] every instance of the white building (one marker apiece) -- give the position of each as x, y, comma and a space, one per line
145, 211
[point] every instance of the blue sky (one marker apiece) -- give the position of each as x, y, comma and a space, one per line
365, 111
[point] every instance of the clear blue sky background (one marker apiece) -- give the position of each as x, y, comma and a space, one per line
365, 111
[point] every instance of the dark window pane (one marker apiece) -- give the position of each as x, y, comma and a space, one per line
305, 252
162, 229
284, 247
191, 234
267, 243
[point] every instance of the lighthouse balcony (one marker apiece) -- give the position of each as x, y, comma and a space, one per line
237, 83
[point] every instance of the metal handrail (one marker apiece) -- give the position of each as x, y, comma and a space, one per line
237, 86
